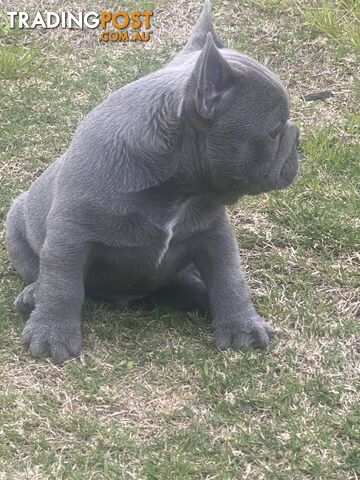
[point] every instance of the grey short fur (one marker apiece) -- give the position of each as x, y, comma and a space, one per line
137, 203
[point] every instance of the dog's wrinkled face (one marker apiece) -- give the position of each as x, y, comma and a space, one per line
221, 124
251, 144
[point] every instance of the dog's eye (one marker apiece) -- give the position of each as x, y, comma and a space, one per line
274, 133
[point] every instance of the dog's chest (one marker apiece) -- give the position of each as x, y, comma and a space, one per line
142, 248
169, 228
154, 237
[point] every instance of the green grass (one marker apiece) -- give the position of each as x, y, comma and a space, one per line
151, 398
340, 21
17, 61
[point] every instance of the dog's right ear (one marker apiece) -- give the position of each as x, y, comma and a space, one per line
203, 26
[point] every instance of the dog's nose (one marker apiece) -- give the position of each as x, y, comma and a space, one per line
296, 130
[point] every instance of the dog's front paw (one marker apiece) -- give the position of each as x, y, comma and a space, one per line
241, 335
58, 339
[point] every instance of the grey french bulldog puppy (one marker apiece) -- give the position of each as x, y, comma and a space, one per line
137, 203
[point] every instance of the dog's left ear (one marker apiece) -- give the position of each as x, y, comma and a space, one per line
215, 82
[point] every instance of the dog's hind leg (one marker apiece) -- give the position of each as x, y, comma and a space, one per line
21, 254
187, 291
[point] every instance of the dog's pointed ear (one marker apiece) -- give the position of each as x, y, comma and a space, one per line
215, 82
203, 26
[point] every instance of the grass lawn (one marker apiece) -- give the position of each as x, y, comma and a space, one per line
151, 398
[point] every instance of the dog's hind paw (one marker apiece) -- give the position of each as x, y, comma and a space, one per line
25, 301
